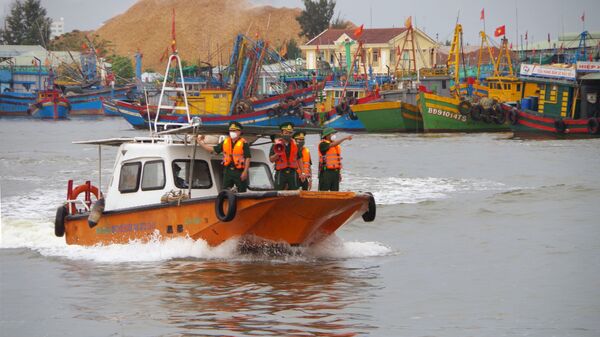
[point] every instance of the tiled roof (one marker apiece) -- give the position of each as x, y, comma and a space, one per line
373, 35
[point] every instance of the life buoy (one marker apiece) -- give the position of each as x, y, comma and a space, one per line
80, 189
59, 221
560, 126
344, 106
464, 107
513, 116
476, 112
369, 215
593, 126
231, 205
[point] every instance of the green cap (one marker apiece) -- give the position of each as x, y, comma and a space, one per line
287, 126
299, 135
328, 131
235, 126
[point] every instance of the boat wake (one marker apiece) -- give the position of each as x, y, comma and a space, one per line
39, 236
403, 190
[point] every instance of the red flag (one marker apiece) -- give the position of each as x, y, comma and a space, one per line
358, 31
583, 17
500, 31
482, 17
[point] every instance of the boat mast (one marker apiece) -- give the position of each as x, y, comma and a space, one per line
453, 58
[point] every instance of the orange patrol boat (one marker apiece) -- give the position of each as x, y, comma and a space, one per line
150, 196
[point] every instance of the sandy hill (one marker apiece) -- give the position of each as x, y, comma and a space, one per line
205, 29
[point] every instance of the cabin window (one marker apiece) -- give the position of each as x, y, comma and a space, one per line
259, 177
153, 177
201, 177
129, 178
519, 87
444, 84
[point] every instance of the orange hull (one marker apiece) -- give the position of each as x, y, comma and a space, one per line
293, 217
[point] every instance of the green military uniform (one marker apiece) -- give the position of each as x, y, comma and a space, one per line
288, 176
329, 180
232, 175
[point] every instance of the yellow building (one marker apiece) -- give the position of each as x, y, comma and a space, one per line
381, 47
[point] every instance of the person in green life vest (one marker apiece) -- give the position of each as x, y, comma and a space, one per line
287, 158
236, 157
330, 160
306, 162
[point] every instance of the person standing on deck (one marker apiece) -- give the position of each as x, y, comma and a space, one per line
330, 160
306, 162
287, 158
236, 157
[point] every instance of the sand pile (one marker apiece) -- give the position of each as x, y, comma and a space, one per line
205, 29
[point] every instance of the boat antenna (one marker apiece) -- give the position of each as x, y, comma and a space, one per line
191, 172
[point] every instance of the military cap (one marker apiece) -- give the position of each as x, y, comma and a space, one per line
235, 126
287, 126
328, 131
299, 135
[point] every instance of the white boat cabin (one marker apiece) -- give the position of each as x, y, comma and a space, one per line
147, 169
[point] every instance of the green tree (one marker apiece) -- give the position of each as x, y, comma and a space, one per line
315, 17
26, 24
122, 67
293, 51
339, 23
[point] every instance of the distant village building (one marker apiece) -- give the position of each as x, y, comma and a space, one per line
57, 28
381, 47
26, 68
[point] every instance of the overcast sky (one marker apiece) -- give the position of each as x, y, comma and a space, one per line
436, 18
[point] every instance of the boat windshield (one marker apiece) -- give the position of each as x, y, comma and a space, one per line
201, 177
259, 175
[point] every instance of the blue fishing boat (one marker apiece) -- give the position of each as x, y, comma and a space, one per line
50, 105
16, 103
109, 108
89, 101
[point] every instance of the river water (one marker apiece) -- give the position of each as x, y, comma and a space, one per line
476, 235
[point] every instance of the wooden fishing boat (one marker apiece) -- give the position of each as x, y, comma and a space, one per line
164, 187
564, 101
50, 104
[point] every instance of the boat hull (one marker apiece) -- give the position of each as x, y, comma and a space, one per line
49, 109
89, 103
530, 124
16, 104
291, 217
441, 114
389, 116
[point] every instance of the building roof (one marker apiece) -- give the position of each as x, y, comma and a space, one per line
10, 50
371, 35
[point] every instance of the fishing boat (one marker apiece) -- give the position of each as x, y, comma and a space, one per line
16, 103
465, 110
50, 104
564, 101
89, 101
164, 187
109, 107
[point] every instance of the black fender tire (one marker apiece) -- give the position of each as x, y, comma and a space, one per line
513, 116
271, 112
59, 221
486, 115
560, 126
593, 126
352, 115
339, 110
464, 108
476, 112
499, 116
231, 205
369, 215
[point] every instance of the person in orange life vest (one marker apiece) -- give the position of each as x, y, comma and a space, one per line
306, 162
330, 160
236, 157
287, 161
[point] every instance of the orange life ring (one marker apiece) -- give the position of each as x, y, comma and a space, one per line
82, 188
